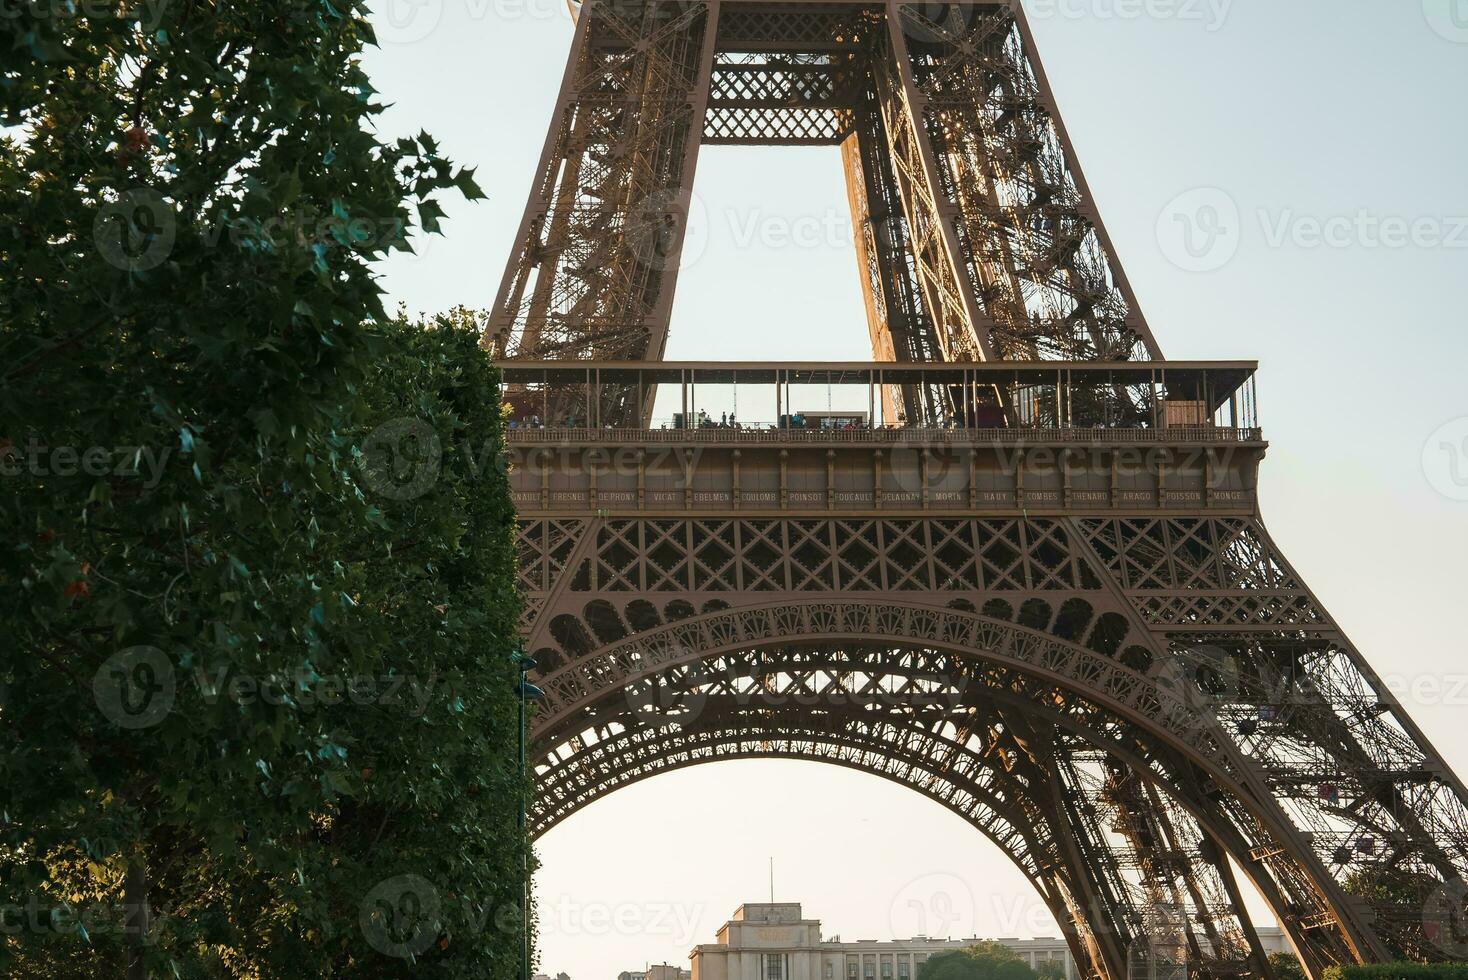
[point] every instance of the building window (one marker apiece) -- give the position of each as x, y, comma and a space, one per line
904, 969
851, 970
774, 966
830, 969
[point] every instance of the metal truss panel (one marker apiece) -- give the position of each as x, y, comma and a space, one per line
1276, 742
984, 244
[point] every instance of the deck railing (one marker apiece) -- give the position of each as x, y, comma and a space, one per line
885, 436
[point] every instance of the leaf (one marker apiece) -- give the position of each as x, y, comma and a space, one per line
429, 213
468, 186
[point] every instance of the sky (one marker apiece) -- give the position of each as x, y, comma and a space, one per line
1282, 181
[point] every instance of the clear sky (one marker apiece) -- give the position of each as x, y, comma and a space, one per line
1286, 181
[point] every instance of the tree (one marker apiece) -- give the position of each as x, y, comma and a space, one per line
1286, 966
1051, 970
258, 572
984, 960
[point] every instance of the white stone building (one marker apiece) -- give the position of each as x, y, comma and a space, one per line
774, 941
658, 971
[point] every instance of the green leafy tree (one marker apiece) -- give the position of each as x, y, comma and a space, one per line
1051, 970
984, 960
1286, 966
257, 575
1399, 971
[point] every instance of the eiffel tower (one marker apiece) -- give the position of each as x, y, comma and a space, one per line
1030, 582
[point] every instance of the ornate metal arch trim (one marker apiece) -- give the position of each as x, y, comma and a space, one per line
1160, 709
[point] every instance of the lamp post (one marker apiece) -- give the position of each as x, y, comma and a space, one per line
527, 692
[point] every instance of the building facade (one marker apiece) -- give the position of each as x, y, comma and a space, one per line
774, 941
659, 971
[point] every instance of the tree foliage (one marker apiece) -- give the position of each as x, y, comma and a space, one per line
1286, 966
1399, 971
1051, 970
984, 960
257, 574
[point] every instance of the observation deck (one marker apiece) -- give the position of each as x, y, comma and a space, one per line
817, 437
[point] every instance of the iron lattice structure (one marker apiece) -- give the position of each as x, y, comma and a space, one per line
976, 236
1119, 680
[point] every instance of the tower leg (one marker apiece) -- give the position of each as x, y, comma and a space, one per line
594, 270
